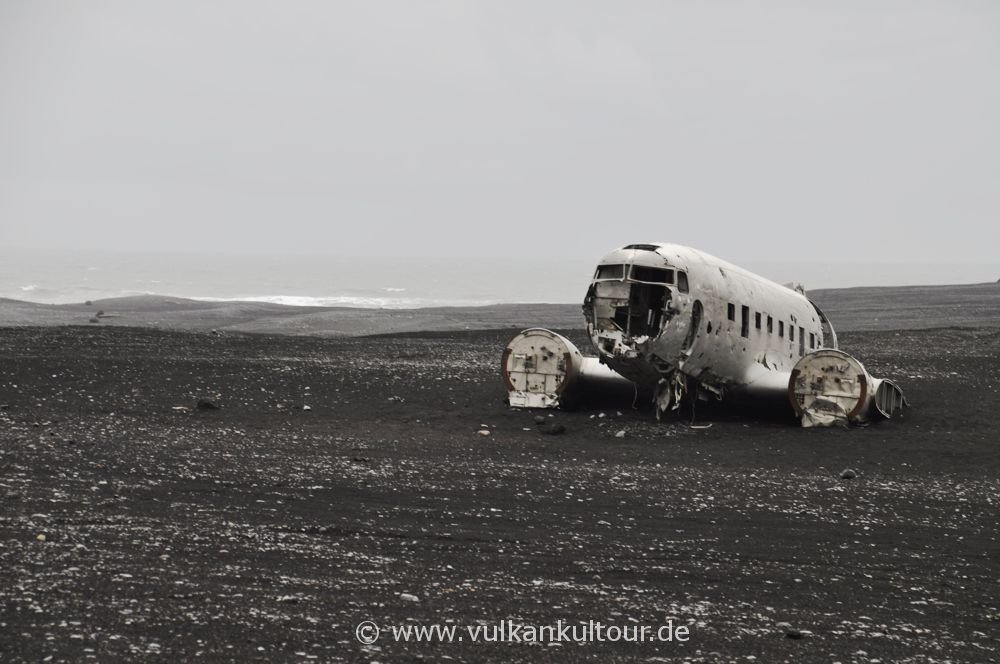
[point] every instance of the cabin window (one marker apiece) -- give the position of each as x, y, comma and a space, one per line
770, 325
781, 328
791, 333
682, 281
745, 323
812, 340
757, 319
802, 341
610, 272
651, 275
731, 311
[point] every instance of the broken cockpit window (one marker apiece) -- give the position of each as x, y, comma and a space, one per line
610, 272
651, 275
644, 313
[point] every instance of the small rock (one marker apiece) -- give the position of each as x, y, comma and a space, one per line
620, 434
407, 597
40, 537
552, 429
307, 407
95, 319
88, 303
848, 474
207, 404
791, 632
539, 419
483, 432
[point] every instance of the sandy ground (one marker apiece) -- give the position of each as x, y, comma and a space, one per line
262, 531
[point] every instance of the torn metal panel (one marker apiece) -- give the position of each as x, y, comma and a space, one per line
542, 369
831, 388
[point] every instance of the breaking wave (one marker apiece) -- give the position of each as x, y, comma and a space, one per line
361, 302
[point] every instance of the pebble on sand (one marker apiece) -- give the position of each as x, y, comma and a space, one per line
790, 632
407, 597
848, 474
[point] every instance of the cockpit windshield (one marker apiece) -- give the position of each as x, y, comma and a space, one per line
651, 275
609, 272
640, 273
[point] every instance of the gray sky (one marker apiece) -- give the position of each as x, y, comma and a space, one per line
839, 130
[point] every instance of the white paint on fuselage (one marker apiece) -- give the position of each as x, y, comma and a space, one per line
720, 357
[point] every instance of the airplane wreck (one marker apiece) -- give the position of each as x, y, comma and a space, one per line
685, 325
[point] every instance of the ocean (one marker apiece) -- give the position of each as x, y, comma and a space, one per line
61, 277
58, 277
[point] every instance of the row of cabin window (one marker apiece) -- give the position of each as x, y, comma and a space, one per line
745, 327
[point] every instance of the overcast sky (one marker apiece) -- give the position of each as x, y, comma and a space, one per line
753, 130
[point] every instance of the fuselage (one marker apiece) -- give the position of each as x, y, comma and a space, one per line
659, 313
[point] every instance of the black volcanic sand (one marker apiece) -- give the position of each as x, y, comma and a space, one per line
262, 531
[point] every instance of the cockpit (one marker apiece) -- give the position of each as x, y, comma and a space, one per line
632, 299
